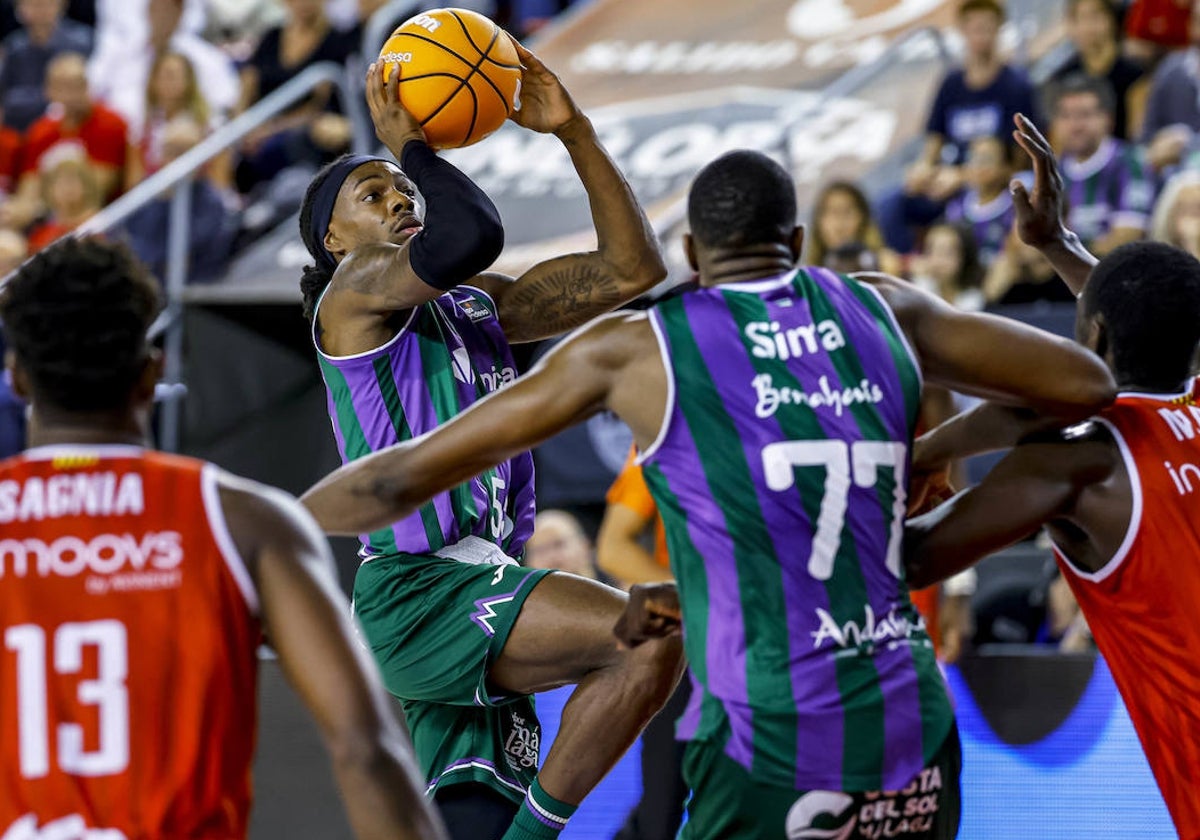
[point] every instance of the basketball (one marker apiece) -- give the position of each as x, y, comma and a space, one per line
459, 74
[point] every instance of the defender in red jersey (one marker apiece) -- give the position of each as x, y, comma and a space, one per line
135, 588
1119, 495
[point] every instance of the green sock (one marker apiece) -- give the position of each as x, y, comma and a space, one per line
541, 816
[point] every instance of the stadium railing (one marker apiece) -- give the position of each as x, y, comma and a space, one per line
176, 178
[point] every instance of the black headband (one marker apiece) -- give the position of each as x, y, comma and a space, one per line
324, 200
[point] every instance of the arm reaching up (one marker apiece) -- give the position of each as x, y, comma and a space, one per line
1041, 213
560, 294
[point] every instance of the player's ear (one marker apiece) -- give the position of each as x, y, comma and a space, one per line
689, 250
17, 376
797, 243
332, 243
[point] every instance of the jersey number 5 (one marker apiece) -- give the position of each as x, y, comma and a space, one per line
107, 692
843, 463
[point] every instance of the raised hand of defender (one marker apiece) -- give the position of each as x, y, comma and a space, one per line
546, 106
394, 125
652, 613
1039, 213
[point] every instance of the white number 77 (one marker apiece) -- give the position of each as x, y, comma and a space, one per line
780, 461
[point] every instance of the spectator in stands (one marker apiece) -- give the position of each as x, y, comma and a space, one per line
212, 225
80, 11
558, 542
1110, 190
851, 257
27, 54
1176, 219
312, 131
238, 25
1154, 27
13, 251
841, 218
1173, 106
173, 91
10, 147
1022, 275
979, 99
948, 266
986, 204
70, 194
1094, 29
126, 47
526, 17
75, 120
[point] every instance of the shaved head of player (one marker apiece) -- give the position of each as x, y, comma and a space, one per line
137, 587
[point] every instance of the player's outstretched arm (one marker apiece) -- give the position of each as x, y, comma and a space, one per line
573, 382
1041, 213
998, 358
307, 621
562, 293
1035, 484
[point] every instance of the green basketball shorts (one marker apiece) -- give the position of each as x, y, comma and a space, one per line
727, 803
435, 625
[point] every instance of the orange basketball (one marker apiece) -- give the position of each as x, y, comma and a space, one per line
459, 74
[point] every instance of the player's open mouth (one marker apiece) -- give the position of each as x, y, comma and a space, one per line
407, 225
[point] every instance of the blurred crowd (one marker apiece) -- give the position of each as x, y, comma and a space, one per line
97, 95
1122, 107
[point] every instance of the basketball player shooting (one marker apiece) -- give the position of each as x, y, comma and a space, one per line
774, 409
410, 329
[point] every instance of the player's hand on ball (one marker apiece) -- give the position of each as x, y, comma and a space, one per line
394, 125
652, 613
546, 106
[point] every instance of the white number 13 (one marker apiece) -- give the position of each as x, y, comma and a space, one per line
107, 692
858, 462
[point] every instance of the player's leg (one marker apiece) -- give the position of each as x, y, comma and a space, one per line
475, 811
659, 812
564, 634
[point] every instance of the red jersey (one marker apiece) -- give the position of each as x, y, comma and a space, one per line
103, 136
1141, 606
128, 664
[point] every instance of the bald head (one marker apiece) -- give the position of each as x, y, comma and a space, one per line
558, 542
67, 85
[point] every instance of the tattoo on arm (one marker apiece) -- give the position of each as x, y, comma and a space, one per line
569, 292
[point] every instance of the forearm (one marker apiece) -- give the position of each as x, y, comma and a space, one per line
383, 793
626, 243
987, 427
463, 233
1071, 260
627, 561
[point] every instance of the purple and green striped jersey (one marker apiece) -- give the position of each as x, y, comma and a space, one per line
450, 353
780, 475
990, 221
1114, 188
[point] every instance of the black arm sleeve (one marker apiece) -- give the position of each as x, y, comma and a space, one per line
462, 235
